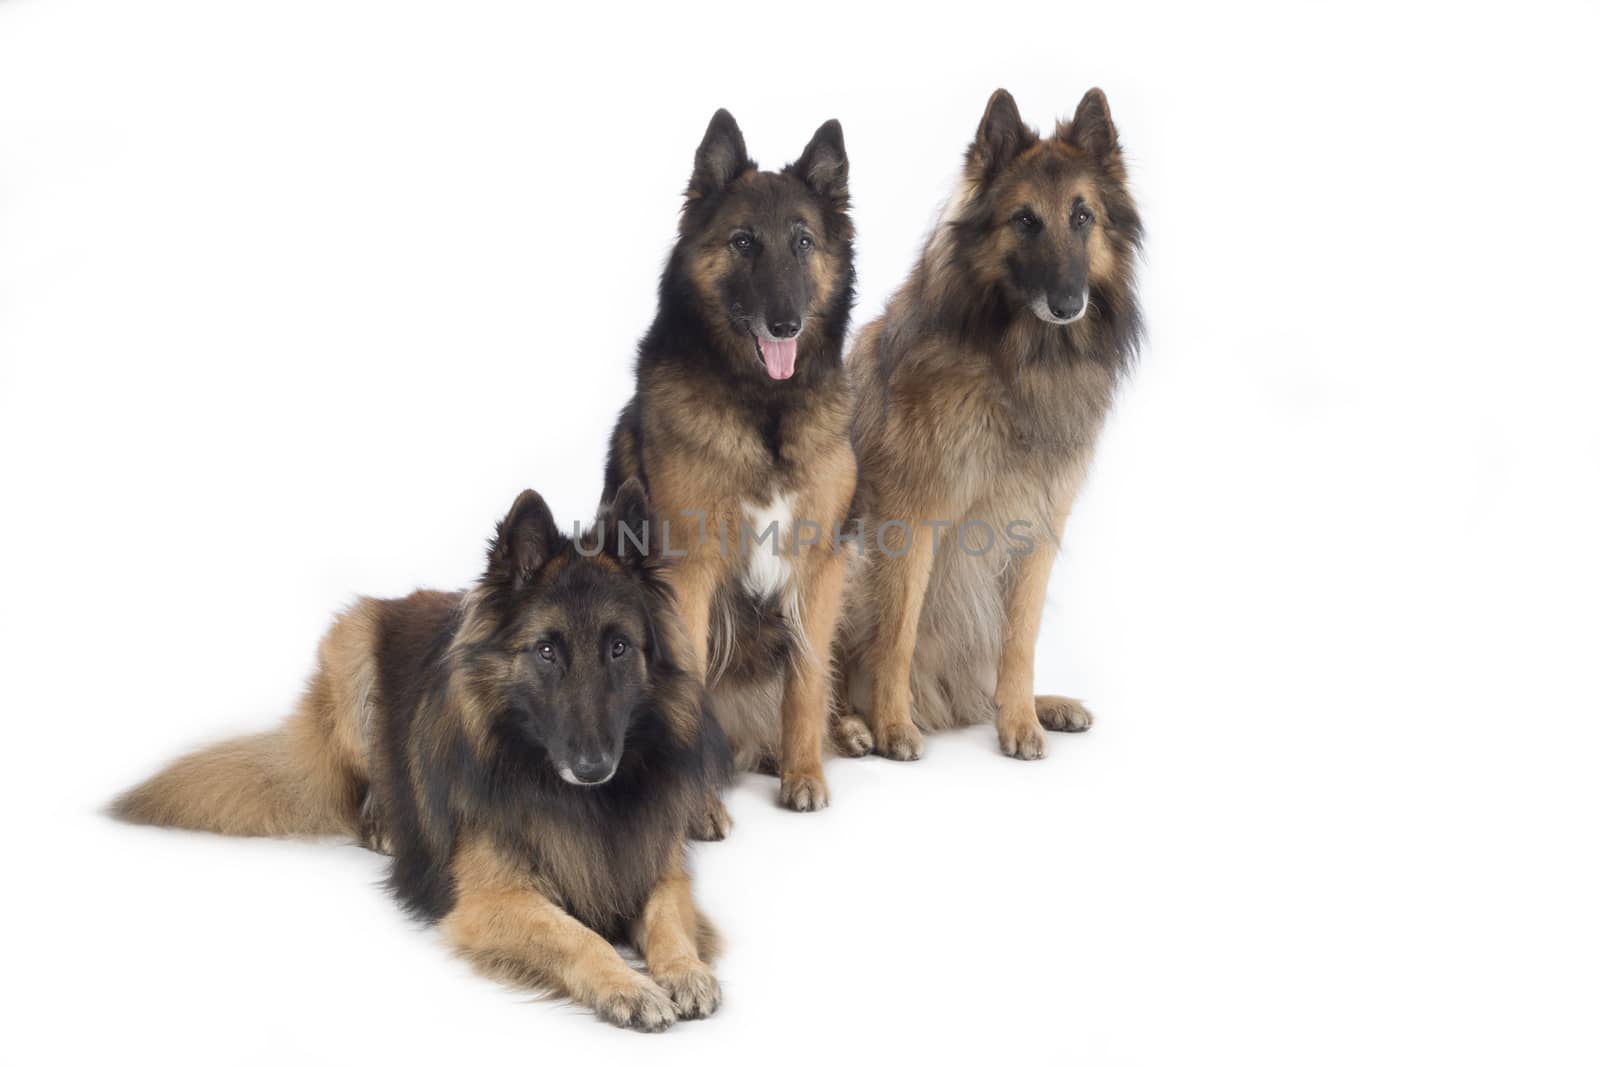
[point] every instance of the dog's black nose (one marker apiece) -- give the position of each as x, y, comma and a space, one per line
591, 769
1064, 307
784, 330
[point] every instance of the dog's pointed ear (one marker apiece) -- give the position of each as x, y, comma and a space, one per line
524, 541
1001, 134
823, 165
1092, 130
626, 529
720, 158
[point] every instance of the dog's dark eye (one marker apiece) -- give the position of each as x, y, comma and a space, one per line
546, 650
1027, 220
1082, 217
619, 648
742, 242
805, 242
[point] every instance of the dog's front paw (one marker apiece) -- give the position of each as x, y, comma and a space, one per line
641, 1005
1021, 737
1062, 713
851, 736
712, 822
800, 791
899, 741
693, 988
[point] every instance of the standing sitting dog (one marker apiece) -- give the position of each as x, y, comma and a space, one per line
980, 394
739, 429
529, 751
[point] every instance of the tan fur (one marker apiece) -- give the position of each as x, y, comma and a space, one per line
929, 636
305, 778
511, 919
809, 682
952, 431
704, 468
506, 923
764, 724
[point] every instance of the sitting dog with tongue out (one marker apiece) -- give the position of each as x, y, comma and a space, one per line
739, 430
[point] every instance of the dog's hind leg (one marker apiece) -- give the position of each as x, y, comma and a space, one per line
374, 832
712, 822
851, 735
1062, 713
849, 732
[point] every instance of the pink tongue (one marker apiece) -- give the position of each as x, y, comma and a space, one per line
779, 356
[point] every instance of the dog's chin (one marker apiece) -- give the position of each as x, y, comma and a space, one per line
1041, 308
572, 779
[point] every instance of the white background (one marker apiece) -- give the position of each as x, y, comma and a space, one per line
295, 296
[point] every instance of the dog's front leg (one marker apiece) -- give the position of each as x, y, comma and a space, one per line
669, 935
898, 577
694, 584
1020, 717
501, 920
694, 581
809, 682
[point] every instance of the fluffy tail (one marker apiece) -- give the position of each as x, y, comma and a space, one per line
277, 784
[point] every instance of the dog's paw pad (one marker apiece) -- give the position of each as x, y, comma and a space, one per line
1063, 713
803, 792
694, 991
1022, 740
900, 741
851, 736
645, 1007
712, 822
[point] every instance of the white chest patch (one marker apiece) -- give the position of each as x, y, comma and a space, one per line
768, 542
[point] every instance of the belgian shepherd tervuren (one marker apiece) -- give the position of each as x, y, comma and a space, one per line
530, 753
739, 429
980, 394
